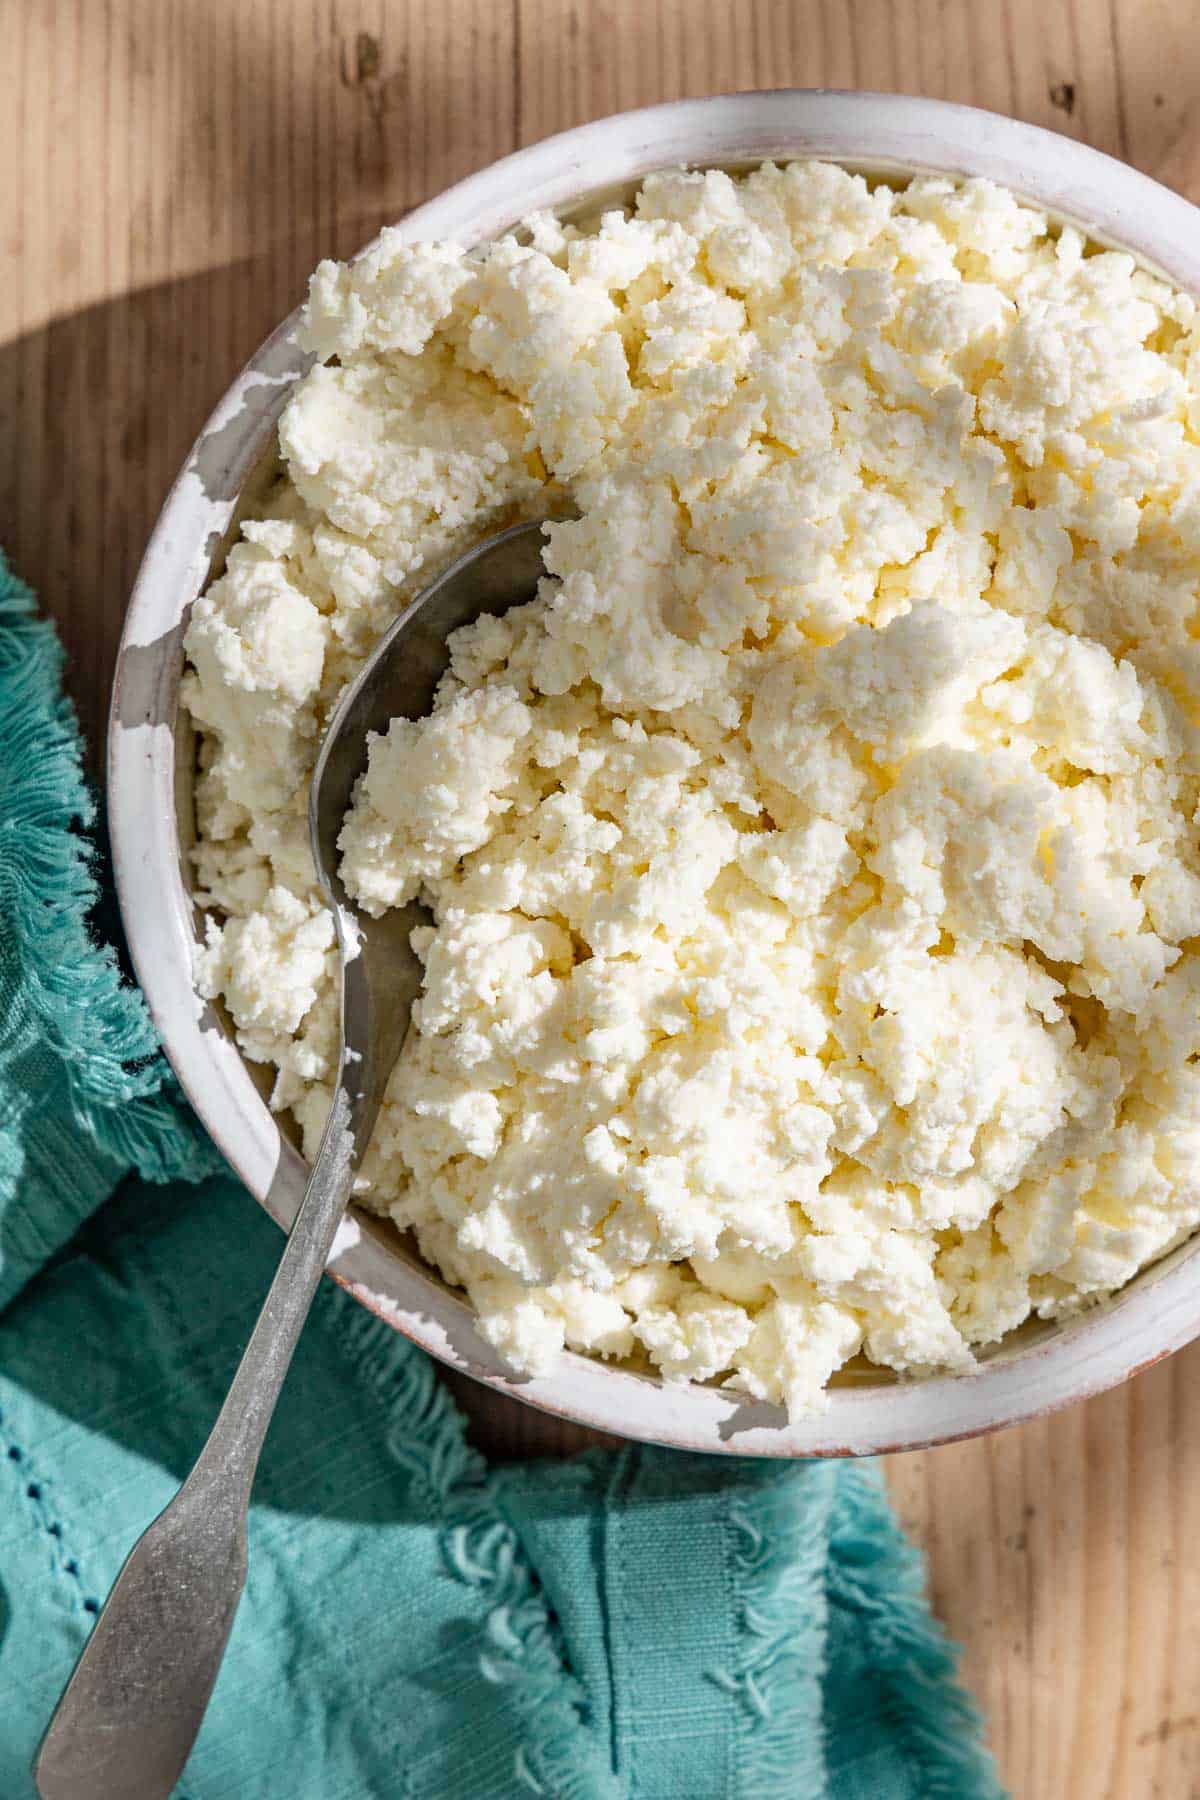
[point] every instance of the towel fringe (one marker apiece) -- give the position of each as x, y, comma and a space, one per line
778, 1561
876, 1573
72, 995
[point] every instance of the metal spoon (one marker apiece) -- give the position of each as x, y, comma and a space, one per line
130, 1713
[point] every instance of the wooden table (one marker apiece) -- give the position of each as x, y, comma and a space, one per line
179, 167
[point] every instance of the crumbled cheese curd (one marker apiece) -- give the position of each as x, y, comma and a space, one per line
812, 867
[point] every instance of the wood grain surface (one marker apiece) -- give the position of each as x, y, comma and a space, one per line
172, 169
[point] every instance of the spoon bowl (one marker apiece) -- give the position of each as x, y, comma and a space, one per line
381, 973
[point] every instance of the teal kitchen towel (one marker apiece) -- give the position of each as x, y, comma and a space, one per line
415, 1623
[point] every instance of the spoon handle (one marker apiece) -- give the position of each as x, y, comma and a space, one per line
130, 1713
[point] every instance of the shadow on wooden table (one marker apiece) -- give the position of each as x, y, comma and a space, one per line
275, 144
507, 1430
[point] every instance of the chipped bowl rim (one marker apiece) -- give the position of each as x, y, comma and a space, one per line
149, 783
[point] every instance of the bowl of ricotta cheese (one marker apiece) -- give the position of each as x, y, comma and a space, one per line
807, 1054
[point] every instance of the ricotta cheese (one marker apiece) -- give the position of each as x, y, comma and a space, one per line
812, 867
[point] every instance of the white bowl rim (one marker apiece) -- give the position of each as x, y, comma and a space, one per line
1153, 1316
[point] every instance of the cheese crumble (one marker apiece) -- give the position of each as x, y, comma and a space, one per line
813, 864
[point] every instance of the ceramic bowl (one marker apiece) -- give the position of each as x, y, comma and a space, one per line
151, 761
